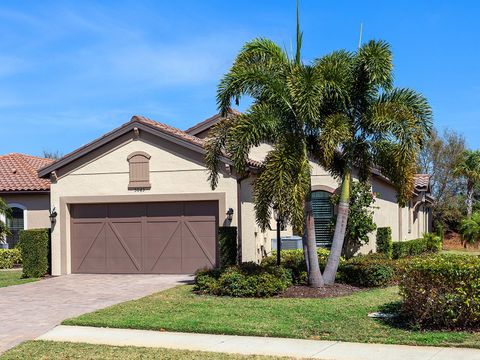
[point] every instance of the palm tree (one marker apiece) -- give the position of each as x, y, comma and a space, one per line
373, 125
469, 169
470, 229
286, 96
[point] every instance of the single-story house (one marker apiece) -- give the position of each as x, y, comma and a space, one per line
137, 200
25, 193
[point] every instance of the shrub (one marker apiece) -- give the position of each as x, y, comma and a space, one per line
34, 249
384, 241
245, 280
430, 243
442, 291
9, 257
294, 261
227, 238
370, 271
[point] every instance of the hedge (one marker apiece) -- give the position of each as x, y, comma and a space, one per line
430, 243
294, 261
227, 238
9, 257
245, 280
373, 270
384, 241
34, 249
442, 292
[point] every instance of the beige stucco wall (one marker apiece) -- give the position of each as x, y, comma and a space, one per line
37, 208
174, 171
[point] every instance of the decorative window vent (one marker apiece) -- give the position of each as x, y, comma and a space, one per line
139, 164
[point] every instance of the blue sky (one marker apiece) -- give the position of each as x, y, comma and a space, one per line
73, 70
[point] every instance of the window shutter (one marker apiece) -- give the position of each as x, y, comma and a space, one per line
322, 215
139, 168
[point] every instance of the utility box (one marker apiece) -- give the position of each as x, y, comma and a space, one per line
288, 243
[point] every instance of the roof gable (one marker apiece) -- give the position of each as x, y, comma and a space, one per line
208, 123
137, 123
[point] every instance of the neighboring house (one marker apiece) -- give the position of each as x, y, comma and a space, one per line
137, 200
25, 193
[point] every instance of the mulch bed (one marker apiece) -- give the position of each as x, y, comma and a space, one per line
328, 291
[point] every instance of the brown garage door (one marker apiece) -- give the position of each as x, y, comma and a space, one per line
167, 237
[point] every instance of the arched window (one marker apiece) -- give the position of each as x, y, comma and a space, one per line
15, 223
139, 165
323, 215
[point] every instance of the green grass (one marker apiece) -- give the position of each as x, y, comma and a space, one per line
13, 277
343, 318
462, 252
49, 350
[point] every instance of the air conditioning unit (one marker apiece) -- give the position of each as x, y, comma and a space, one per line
288, 243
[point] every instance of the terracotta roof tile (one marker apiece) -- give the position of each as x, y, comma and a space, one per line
422, 180
207, 123
182, 135
18, 172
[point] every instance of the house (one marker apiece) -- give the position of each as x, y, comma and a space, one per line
25, 193
137, 200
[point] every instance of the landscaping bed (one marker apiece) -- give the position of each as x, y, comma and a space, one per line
329, 291
61, 350
342, 318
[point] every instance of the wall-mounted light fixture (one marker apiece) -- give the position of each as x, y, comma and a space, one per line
230, 214
53, 216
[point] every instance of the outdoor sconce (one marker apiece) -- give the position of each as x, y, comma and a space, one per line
230, 214
53, 216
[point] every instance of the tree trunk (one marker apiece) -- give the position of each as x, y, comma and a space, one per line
315, 278
469, 200
340, 230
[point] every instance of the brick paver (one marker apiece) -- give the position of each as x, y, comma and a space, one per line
29, 310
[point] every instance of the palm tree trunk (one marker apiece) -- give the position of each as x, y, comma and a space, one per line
340, 230
469, 200
315, 278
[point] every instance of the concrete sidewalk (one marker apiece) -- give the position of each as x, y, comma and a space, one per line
251, 345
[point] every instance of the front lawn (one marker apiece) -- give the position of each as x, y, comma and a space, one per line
13, 277
59, 350
342, 318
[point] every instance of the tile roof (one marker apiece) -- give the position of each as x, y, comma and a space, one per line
18, 172
421, 181
183, 134
207, 123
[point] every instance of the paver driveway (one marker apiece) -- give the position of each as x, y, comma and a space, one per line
29, 310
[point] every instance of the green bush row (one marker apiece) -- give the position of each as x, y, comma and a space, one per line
430, 243
372, 270
9, 257
442, 291
34, 248
245, 280
294, 261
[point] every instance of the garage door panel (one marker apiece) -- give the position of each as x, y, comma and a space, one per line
89, 246
92, 265
200, 208
124, 247
171, 237
126, 211
165, 209
168, 265
91, 211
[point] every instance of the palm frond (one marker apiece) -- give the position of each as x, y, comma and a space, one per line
215, 147
283, 183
